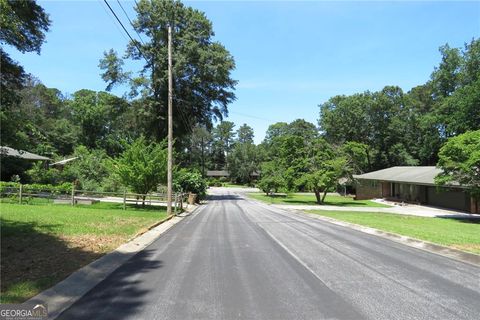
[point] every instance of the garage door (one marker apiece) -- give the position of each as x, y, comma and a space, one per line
451, 199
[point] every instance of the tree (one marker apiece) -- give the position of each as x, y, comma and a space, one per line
223, 136
99, 116
202, 87
459, 159
447, 76
245, 134
271, 178
456, 82
142, 166
325, 166
358, 157
199, 149
286, 145
243, 162
22, 25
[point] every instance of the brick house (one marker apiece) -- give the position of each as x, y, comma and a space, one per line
414, 185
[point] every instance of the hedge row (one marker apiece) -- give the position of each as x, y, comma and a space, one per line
36, 187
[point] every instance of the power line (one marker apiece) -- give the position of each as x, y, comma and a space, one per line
125, 29
113, 21
129, 20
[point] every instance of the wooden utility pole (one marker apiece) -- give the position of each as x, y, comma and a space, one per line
170, 125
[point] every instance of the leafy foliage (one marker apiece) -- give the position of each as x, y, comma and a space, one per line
203, 87
243, 162
459, 159
271, 180
190, 181
142, 166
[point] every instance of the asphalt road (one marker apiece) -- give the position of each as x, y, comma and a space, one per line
237, 259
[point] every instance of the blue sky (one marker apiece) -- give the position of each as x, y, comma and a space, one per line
290, 56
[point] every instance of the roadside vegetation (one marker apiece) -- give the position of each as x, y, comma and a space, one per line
310, 199
462, 234
42, 244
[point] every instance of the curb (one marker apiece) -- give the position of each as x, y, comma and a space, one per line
455, 254
65, 293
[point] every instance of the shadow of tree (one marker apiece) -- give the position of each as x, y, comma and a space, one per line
33, 260
472, 220
120, 295
224, 197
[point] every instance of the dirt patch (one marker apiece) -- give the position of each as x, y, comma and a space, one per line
34, 256
470, 247
93, 243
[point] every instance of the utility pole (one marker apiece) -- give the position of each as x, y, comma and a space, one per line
203, 159
170, 124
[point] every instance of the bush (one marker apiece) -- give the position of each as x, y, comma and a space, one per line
36, 187
89, 170
214, 182
190, 181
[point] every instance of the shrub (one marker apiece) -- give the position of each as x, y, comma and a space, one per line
37, 187
190, 181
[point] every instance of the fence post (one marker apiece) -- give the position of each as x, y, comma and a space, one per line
73, 194
20, 191
175, 204
125, 199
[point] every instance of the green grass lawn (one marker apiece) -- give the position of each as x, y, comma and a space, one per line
44, 243
309, 199
231, 185
460, 234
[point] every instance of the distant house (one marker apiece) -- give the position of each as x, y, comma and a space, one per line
10, 152
416, 185
218, 174
226, 174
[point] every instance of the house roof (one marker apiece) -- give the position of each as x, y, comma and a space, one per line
62, 162
414, 175
217, 173
7, 151
225, 173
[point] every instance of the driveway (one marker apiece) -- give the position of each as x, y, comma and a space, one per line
237, 259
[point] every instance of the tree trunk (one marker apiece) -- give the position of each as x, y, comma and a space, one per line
324, 195
317, 195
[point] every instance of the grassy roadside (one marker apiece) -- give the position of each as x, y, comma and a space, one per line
309, 199
43, 244
459, 234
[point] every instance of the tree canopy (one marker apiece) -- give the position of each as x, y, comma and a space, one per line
202, 82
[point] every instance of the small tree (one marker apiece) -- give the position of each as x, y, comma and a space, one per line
459, 159
324, 166
271, 178
142, 166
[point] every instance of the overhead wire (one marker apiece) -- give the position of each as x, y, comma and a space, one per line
183, 116
110, 16
135, 42
131, 23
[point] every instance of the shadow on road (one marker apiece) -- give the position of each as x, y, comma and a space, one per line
119, 296
224, 197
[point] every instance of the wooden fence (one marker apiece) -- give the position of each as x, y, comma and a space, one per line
23, 195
